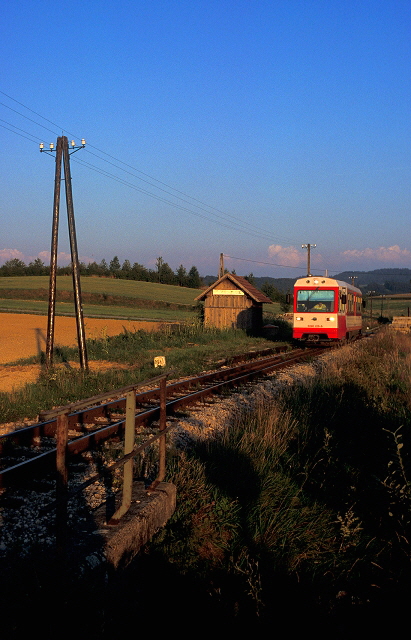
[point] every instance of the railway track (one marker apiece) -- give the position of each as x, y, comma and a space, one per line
32, 450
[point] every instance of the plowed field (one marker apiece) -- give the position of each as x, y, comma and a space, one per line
22, 336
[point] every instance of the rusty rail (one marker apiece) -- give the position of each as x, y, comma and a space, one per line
57, 422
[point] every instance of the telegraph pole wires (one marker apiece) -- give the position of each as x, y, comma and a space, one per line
308, 247
63, 155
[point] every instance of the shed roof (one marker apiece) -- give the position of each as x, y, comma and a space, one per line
241, 283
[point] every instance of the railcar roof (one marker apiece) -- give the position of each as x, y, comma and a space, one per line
325, 282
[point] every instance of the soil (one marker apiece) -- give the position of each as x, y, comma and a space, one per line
23, 335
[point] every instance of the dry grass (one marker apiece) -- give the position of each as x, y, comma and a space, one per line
314, 479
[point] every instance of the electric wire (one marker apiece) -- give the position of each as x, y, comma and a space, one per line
271, 264
27, 118
236, 224
177, 205
174, 204
255, 230
379, 272
17, 132
210, 210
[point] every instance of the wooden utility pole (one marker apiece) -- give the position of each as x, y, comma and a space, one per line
53, 256
63, 156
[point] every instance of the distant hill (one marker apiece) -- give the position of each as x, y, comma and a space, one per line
382, 281
285, 285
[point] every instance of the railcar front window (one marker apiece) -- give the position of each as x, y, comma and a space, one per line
316, 300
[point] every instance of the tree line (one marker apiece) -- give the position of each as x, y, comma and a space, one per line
271, 292
163, 273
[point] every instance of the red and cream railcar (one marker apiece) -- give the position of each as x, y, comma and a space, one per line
326, 310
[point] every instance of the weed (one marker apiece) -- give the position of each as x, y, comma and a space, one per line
350, 529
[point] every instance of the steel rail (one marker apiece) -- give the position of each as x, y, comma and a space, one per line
46, 461
47, 427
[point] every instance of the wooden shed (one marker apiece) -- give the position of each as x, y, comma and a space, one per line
233, 303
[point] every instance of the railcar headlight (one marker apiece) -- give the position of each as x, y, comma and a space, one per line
299, 318
330, 319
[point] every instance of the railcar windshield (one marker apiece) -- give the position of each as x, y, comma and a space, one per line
318, 300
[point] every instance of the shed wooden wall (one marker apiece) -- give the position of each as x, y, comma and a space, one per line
232, 311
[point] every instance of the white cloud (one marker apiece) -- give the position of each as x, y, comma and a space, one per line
288, 256
387, 255
293, 257
63, 258
10, 254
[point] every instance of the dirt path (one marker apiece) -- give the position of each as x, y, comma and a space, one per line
22, 336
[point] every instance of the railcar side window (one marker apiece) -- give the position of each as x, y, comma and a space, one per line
315, 300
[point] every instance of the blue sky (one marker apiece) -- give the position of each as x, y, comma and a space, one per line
244, 127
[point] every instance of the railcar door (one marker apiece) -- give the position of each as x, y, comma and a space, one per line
342, 313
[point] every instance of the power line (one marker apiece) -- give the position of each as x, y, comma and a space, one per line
237, 226
129, 166
162, 199
225, 224
210, 207
271, 264
27, 118
240, 225
210, 210
16, 132
28, 109
286, 266
222, 218
379, 272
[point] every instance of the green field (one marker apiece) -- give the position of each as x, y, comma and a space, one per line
95, 311
388, 307
108, 286
124, 291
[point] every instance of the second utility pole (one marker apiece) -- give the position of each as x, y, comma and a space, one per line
308, 247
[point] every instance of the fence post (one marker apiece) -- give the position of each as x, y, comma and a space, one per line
162, 441
129, 465
61, 479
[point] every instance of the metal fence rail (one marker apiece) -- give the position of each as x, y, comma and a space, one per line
130, 450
